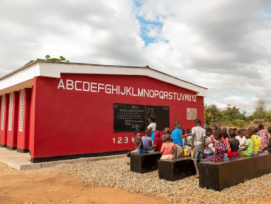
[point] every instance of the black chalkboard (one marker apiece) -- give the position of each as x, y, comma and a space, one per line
129, 117
161, 115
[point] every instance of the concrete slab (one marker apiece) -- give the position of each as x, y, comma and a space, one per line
21, 161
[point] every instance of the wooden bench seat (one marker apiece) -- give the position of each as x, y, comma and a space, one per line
144, 163
221, 175
176, 169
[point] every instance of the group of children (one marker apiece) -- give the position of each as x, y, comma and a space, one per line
212, 144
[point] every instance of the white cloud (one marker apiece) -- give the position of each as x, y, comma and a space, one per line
212, 44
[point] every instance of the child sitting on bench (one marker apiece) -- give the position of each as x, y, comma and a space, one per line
139, 144
147, 142
256, 140
208, 142
168, 148
220, 148
234, 143
247, 149
268, 149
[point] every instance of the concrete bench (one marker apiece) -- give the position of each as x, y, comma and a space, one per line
220, 175
144, 163
176, 169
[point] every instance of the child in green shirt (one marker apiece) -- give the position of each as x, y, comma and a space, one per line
247, 149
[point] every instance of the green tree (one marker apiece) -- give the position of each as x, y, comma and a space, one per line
231, 112
212, 113
49, 59
260, 109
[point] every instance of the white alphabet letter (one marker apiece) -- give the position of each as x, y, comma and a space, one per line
100, 86
84, 86
61, 84
108, 88
69, 84
93, 86
77, 82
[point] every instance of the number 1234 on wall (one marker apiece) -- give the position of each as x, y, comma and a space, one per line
123, 140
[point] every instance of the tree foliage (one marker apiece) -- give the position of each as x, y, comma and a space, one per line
49, 59
231, 112
260, 110
213, 114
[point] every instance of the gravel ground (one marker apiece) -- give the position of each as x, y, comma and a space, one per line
116, 173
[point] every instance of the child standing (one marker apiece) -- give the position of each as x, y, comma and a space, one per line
147, 142
177, 138
167, 148
198, 141
188, 139
247, 149
256, 140
157, 141
208, 141
225, 137
152, 126
234, 143
220, 148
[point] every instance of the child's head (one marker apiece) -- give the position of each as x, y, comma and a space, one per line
137, 134
178, 124
214, 128
209, 131
224, 129
225, 135
236, 132
167, 137
253, 130
151, 119
260, 127
197, 122
232, 133
217, 134
241, 132
230, 130
148, 132
269, 130
167, 130
188, 130
248, 133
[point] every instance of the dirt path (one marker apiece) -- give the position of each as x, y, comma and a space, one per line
48, 186
43, 186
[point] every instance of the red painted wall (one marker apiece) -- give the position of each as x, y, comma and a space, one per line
12, 133
3, 138
33, 118
23, 136
68, 122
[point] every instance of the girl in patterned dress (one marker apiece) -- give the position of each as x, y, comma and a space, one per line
220, 148
264, 137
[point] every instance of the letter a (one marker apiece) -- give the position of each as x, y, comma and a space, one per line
61, 84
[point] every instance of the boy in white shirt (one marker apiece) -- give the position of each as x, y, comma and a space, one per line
198, 144
241, 137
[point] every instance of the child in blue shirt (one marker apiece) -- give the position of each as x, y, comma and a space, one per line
176, 136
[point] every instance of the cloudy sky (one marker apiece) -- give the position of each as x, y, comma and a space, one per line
222, 45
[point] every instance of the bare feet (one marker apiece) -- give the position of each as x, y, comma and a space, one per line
196, 176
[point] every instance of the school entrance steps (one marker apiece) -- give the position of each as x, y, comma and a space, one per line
21, 161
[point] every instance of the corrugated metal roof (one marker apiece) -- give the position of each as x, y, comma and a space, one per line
75, 63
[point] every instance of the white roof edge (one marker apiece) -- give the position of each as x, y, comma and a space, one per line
51, 69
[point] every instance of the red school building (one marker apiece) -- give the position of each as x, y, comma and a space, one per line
71, 110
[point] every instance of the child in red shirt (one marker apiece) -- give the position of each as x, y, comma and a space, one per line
157, 141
